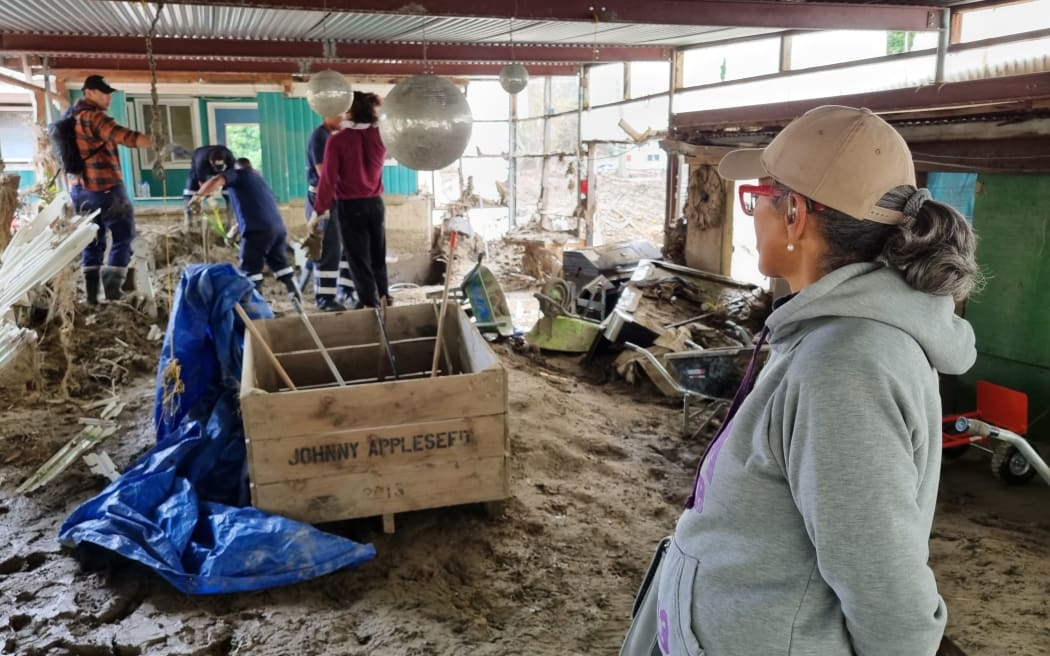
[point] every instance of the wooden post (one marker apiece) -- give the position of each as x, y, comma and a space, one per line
592, 192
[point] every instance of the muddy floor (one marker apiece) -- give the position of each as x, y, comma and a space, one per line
599, 472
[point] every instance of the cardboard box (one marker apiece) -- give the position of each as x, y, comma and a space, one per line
376, 446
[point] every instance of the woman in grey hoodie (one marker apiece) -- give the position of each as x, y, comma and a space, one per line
807, 530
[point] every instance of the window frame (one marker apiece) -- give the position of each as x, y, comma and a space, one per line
145, 155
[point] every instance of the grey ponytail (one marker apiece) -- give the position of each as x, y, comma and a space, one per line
933, 248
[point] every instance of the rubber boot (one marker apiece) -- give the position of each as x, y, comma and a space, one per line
289, 283
91, 285
113, 282
328, 303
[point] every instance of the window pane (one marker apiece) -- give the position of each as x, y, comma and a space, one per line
1003, 59
486, 171
908, 72
564, 134
834, 46
528, 186
530, 99
530, 137
491, 138
488, 101
603, 123
17, 136
648, 78
182, 126
561, 183
731, 62
606, 84
1002, 21
565, 93
147, 119
243, 139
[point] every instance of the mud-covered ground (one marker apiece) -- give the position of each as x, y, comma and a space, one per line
599, 471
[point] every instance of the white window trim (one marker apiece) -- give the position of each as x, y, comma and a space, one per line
213, 136
145, 155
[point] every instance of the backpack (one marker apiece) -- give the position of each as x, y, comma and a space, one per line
63, 136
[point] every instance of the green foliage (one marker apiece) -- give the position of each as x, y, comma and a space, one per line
244, 140
899, 42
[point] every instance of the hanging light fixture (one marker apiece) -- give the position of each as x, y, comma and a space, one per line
329, 93
426, 121
513, 77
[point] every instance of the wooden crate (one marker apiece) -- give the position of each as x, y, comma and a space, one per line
376, 446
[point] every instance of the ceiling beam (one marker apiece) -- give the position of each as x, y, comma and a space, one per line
110, 65
728, 13
927, 100
54, 45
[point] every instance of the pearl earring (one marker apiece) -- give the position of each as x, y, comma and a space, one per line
791, 248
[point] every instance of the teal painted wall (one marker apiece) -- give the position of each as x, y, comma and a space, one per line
286, 124
25, 178
1010, 316
400, 180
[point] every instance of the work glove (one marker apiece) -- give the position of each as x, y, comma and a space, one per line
196, 204
313, 244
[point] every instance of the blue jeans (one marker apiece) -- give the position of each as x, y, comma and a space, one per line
117, 218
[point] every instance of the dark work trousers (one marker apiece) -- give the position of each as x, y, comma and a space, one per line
362, 224
259, 247
116, 218
331, 272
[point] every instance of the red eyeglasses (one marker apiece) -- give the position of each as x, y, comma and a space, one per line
749, 197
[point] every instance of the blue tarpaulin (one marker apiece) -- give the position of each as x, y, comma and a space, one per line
181, 509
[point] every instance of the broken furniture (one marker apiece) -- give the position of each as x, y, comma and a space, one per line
718, 311
596, 274
375, 446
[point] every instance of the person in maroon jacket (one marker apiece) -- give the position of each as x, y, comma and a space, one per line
351, 186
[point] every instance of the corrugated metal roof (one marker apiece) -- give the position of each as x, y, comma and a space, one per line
129, 18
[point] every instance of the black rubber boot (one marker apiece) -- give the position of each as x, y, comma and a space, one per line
91, 285
329, 304
113, 282
289, 283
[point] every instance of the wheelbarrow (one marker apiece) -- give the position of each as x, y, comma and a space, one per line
996, 427
697, 406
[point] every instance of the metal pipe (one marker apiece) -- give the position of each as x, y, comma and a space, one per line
943, 41
981, 429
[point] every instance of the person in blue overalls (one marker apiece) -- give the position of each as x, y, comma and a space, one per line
262, 229
331, 273
205, 163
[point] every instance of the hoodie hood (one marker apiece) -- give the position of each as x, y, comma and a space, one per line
872, 291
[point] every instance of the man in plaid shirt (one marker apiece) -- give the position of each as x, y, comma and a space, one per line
102, 188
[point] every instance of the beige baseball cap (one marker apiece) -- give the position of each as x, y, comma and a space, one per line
842, 157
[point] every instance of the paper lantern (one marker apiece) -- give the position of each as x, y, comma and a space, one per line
329, 93
513, 78
426, 122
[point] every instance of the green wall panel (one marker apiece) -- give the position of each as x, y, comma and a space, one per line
286, 125
1010, 315
176, 179
400, 180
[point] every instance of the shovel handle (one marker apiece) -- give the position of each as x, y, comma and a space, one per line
444, 305
265, 347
